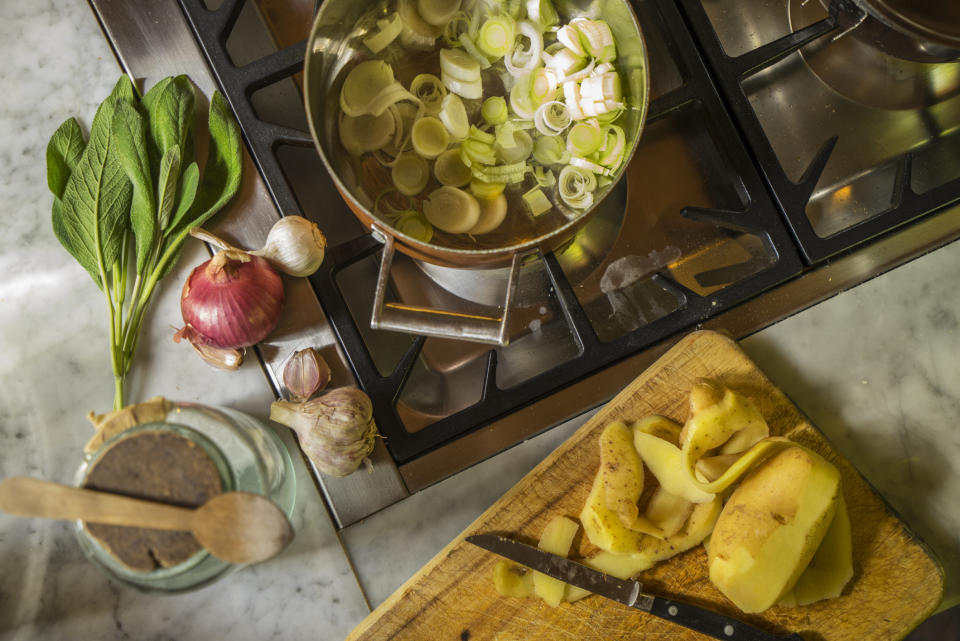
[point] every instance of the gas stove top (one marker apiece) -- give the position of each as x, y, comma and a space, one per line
767, 178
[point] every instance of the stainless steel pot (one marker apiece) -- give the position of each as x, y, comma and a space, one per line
335, 46
933, 24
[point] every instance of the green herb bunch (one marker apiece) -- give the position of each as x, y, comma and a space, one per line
125, 200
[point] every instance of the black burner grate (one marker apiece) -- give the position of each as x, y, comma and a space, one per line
793, 197
759, 217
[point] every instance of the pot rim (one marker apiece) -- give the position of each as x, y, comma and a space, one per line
924, 31
425, 251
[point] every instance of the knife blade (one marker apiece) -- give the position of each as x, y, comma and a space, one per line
629, 593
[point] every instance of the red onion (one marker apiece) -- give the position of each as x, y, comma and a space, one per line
233, 300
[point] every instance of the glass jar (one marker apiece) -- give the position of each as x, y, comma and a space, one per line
249, 456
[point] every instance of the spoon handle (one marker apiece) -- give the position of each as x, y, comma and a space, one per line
24, 496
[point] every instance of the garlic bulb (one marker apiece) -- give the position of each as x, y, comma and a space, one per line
336, 430
295, 246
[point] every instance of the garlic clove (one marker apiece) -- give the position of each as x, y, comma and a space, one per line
225, 358
295, 246
305, 374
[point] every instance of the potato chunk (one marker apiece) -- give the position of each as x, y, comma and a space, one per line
771, 527
512, 579
557, 538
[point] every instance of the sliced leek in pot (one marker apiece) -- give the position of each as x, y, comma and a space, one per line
496, 103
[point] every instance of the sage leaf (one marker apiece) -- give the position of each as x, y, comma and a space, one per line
171, 110
63, 154
132, 192
186, 193
124, 92
221, 176
91, 219
167, 185
129, 144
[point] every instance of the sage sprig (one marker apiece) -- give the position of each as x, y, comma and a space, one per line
126, 198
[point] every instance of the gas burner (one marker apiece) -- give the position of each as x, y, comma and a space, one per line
876, 65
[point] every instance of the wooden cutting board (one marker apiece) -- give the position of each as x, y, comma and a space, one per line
896, 582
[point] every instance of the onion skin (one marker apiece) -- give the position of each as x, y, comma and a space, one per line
233, 300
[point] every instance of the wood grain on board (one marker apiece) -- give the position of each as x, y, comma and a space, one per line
896, 582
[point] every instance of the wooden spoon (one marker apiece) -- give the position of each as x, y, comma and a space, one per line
237, 527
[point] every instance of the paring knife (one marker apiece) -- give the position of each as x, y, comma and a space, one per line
629, 593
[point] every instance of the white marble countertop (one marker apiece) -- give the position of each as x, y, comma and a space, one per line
876, 368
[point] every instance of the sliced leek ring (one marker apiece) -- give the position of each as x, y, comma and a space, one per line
552, 118
450, 169
550, 150
494, 110
486, 190
388, 30
453, 115
415, 225
438, 12
497, 36
576, 186
519, 151
365, 133
451, 210
520, 60
493, 211
470, 90
429, 137
430, 91
363, 85
410, 174
458, 65
585, 138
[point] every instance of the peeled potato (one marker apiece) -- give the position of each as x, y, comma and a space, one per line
771, 527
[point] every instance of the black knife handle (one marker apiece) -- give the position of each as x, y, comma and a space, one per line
718, 626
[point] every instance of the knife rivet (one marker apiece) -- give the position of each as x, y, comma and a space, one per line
728, 630
672, 610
